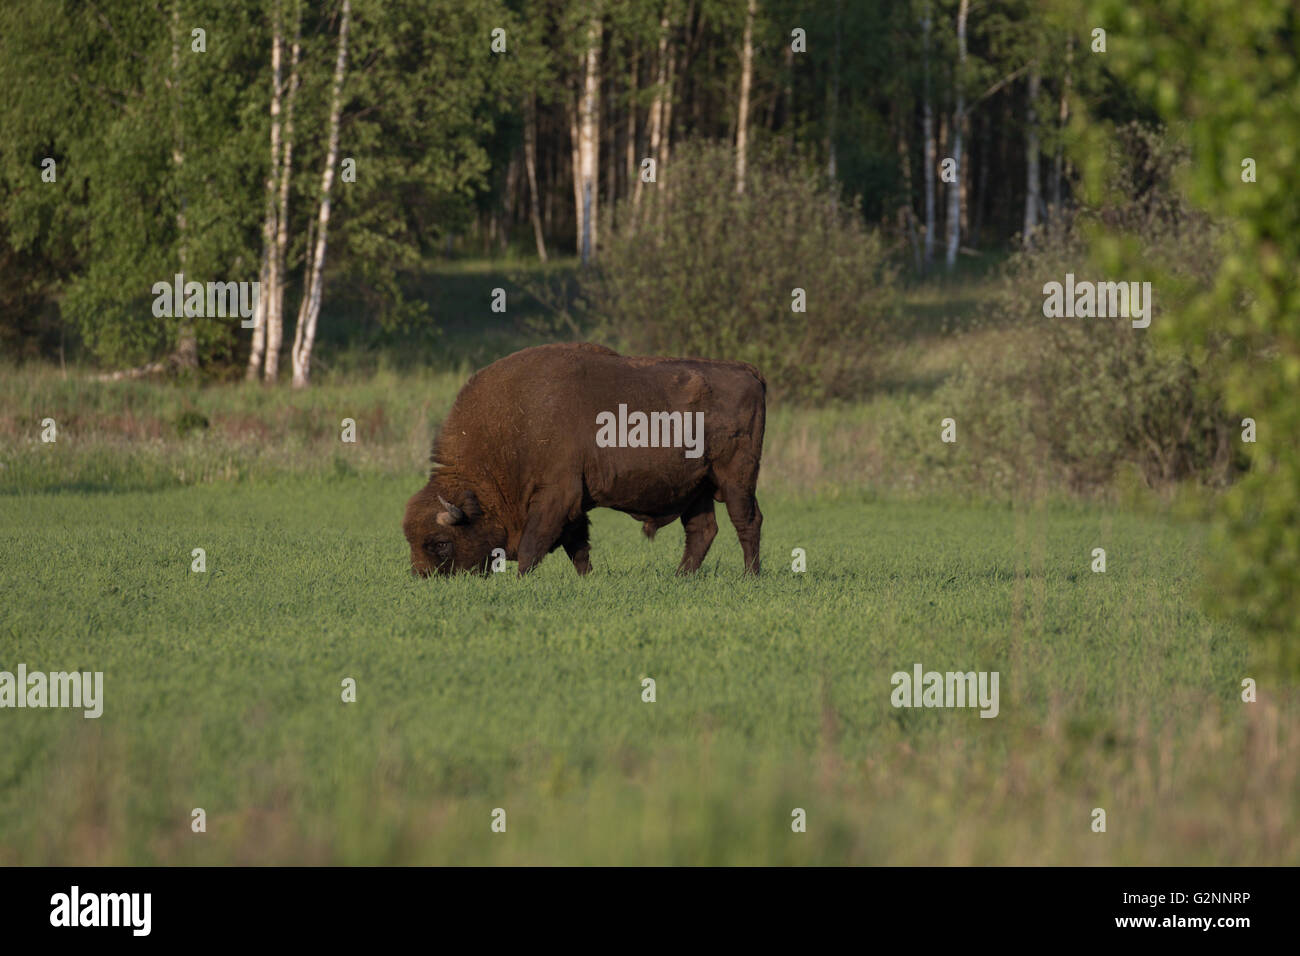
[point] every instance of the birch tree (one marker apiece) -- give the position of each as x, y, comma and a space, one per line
187, 349
1062, 122
629, 144
268, 220
586, 172
530, 167
282, 215
1033, 187
746, 80
833, 102
655, 132
314, 270
958, 119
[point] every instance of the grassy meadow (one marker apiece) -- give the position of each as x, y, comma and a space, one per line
223, 688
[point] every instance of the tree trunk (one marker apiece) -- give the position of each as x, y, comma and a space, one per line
530, 165
551, 178
630, 145
927, 133
262, 305
505, 214
1032, 188
571, 107
906, 211
666, 143
309, 310
982, 189
187, 346
270, 321
787, 116
611, 148
966, 166
655, 133
587, 173
279, 253
958, 119
833, 102
1062, 121
746, 79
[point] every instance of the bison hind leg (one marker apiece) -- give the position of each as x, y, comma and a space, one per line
742, 508
701, 528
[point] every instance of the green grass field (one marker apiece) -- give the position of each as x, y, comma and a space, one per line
223, 690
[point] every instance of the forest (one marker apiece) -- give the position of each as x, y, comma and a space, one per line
327, 150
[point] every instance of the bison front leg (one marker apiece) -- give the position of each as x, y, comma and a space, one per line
547, 520
577, 545
701, 528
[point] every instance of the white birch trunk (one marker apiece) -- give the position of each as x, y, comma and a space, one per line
187, 346
958, 118
589, 145
273, 332
530, 165
630, 143
262, 307
655, 131
309, 310
833, 105
1062, 122
286, 179
1033, 188
746, 79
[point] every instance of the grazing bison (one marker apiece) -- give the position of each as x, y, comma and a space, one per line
536, 440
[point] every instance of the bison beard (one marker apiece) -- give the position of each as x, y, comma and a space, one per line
517, 466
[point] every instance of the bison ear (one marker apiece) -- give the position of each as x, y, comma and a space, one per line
450, 514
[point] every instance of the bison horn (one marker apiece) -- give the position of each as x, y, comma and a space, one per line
452, 514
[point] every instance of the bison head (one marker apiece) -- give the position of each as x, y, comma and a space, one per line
446, 537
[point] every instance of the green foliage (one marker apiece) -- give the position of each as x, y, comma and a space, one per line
162, 154
1079, 399
1231, 72
190, 421
703, 271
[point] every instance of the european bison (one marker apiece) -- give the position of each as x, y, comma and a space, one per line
536, 440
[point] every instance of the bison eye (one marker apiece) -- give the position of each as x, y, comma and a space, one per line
441, 550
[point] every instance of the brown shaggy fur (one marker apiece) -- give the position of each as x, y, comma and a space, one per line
518, 461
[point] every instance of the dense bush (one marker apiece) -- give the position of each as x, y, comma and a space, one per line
700, 270
1096, 394
1232, 78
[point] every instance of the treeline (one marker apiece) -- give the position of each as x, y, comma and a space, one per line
949, 122
325, 150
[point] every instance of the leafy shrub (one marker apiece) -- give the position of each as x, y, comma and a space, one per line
1094, 394
697, 269
1233, 80
189, 421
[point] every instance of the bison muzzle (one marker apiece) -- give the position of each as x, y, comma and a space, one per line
537, 439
